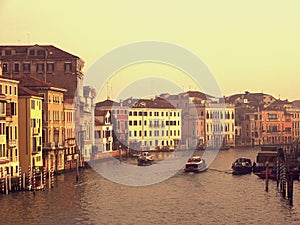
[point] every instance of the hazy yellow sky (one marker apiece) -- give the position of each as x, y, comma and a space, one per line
247, 45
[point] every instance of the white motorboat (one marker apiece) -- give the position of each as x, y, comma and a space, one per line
195, 164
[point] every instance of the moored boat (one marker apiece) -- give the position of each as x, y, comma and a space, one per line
272, 174
195, 164
241, 166
145, 158
262, 158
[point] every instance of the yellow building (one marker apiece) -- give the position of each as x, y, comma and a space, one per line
71, 152
153, 124
53, 122
9, 145
30, 128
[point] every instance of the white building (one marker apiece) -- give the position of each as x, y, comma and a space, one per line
220, 124
153, 124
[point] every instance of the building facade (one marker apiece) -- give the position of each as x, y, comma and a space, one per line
9, 127
30, 129
219, 124
153, 124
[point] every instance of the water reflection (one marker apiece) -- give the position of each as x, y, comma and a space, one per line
213, 197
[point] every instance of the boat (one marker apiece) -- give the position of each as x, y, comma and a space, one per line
241, 166
262, 158
272, 174
195, 164
223, 147
145, 158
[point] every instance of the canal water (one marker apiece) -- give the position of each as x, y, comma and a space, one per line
212, 197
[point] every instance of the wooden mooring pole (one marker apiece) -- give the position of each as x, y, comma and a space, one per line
267, 176
290, 183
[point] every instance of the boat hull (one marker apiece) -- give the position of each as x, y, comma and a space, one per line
241, 170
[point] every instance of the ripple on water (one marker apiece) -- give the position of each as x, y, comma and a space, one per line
213, 197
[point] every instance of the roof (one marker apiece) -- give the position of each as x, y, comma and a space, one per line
252, 99
279, 105
101, 112
23, 91
107, 103
52, 52
296, 103
34, 83
158, 103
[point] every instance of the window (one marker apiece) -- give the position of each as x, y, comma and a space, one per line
50, 67
2, 108
31, 52
11, 109
15, 91
26, 67
16, 132
16, 68
7, 52
4, 67
68, 67
40, 68
41, 52
32, 104
2, 128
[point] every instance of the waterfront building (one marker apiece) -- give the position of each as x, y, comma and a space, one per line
70, 144
45, 62
9, 125
30, 128
119, 120
103, 131
86, 139
57, 151
295, 112
49, 64
277, 123
219, 123
192, 104
248, 119
153, 124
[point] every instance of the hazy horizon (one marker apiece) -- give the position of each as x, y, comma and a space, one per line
247, 45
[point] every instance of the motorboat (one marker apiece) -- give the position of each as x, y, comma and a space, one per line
145, 158
241, 166
195, 164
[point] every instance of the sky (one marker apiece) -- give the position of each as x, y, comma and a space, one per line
246, 45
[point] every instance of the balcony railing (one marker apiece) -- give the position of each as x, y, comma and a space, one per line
36, 149
11, 143
35, 130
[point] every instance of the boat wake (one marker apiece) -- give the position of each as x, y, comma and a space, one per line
221, 171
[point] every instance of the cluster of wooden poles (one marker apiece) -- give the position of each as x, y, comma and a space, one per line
285, 178
33, 180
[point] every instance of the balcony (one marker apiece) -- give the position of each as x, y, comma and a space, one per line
70, 141
11, 143
35, 130
36, 150
4, 160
